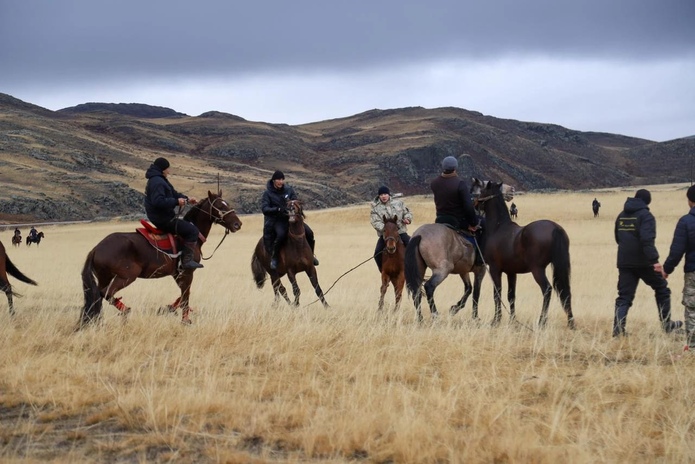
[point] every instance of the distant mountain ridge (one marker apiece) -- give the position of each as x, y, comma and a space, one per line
89, 160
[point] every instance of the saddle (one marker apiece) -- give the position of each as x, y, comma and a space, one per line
472, 238
159, 239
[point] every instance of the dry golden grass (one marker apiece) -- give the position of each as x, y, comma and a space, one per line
253, 382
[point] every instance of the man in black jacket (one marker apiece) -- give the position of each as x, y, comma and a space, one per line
276, 222
452, 198
160, 200
684, 244
635, 232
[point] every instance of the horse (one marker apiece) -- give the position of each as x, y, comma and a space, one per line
122, 257
513, 249
445, 251
294, 257
513, 211
7, 267
392, 262
16, 240
36, 239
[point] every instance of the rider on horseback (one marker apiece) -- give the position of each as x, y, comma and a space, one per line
160, 200
32, 233
452, 199
384, 205
276, 221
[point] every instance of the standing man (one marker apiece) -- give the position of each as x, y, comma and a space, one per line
160, 201
684, 244
276, 222
638, 259
595, 205
384, 205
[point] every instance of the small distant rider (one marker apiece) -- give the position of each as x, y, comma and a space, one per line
160, 201
17, 233
32, 233
276, 222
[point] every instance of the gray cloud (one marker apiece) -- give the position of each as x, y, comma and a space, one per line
73, 51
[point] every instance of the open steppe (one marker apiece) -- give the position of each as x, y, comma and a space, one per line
254, 382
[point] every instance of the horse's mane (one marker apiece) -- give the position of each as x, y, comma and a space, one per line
192, 213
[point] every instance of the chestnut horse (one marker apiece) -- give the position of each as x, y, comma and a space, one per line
7, 267
122, 257
513, 249
295, 256
16, 240
445, 251
392, 261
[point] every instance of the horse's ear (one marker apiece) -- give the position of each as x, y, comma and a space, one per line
395, 218
384, 218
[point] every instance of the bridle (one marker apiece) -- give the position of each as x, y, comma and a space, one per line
219, 219
294, 210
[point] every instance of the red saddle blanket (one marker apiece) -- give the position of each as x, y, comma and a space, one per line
158, 238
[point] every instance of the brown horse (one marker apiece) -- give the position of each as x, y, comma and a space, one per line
16, 240
445, 251
392, 262
513, 249
122, 257
7, 267
295, 256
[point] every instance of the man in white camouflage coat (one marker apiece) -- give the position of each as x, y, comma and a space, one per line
384, 205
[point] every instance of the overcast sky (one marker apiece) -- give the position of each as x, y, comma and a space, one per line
619, 66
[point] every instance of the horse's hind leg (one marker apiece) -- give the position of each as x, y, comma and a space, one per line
295, 287
116, 285
8, 292
546, 288
430, 287
279, 289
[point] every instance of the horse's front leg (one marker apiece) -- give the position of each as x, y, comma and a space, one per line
384, 287
468, 288
278, 288
314, 279
8, 293
546, 288
398, 284
479, 275
496, 276
184, 280
295, 287
511, 295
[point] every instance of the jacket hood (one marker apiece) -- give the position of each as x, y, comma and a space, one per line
635, 204
153, 171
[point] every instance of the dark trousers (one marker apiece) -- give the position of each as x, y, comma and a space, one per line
276, 233
184, 229
628, 278
381, 244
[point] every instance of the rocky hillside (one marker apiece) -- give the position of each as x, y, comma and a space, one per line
88, 161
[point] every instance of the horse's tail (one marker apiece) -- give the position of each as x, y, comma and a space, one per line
16, 273
259, 274
413, 265
92, 296
561, 265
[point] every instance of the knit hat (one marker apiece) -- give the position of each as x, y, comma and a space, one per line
277, 175
449, 164
644, 195
384, 189
691, 193
161, 163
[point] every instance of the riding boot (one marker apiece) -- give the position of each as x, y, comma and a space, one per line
187, 257
275, 256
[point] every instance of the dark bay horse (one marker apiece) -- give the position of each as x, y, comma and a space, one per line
16, 240
513, 249
295, 256
7, 267
392, 262
122, 257
445, 251
36, 240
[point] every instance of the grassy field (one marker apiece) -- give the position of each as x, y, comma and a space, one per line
254, 382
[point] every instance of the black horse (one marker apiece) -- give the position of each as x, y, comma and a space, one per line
513, 249
36, 239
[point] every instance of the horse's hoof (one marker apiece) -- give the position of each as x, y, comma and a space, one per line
186, 322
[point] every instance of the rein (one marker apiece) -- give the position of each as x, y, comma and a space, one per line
216, 220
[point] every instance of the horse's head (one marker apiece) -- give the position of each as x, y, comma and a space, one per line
390, 234
494, 190
477, 186
295, 211
221, 212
